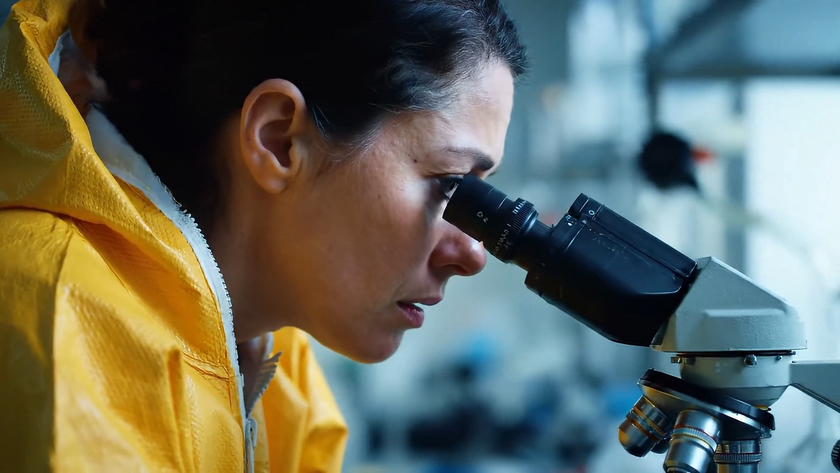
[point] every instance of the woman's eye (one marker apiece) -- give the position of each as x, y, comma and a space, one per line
448, 184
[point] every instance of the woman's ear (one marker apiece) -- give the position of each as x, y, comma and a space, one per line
272, 133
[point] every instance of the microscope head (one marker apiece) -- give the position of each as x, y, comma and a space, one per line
594, 265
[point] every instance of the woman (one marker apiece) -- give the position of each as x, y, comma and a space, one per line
313, 143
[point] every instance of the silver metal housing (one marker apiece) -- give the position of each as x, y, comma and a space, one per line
724, 311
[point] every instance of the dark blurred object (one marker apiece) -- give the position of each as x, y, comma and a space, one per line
453, 432
579, 444
668, 161
456, 430
546, 434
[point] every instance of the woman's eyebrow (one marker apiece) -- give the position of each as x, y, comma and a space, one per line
482, 162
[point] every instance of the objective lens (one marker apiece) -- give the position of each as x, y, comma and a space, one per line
644, 428
693, 443
738, 456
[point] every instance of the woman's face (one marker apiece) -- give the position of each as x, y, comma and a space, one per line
352, 253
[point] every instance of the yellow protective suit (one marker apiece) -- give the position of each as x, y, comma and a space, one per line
115, 346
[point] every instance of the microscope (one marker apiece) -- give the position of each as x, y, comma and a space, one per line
734, 341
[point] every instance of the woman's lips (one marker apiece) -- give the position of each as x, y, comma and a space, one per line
413, 314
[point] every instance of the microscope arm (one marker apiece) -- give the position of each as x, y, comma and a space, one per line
818, 379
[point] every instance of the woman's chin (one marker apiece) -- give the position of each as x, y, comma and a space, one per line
373, 351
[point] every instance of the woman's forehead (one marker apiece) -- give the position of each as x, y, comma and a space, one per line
481, 118
472, 128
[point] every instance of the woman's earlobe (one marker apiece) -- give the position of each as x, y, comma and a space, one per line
272, 130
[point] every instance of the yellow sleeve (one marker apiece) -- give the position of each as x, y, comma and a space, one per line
86, 382
27, 296
307, 432
118, 378
327, 436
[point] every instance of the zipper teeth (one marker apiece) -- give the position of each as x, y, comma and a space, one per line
227, 303
266, 374
219, 289
224, 303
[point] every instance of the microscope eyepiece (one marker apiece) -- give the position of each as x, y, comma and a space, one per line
487, 215
595, 265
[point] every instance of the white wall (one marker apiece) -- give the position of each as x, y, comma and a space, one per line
793, 176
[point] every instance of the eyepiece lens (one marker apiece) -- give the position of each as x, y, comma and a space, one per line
472, 206
489, 216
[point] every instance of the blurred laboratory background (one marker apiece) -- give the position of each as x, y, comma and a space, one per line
744, 95
747, 94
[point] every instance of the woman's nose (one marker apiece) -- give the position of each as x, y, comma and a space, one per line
458, 254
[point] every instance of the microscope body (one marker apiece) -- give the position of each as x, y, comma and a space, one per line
732, 335
735, 344
734, 340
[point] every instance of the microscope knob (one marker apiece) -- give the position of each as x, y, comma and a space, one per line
835, 455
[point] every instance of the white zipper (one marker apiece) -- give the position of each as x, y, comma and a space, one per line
121, 159
217, 285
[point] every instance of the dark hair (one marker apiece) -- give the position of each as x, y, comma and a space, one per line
176, 70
